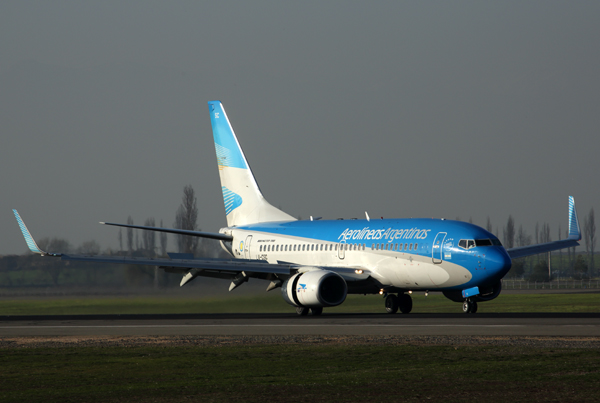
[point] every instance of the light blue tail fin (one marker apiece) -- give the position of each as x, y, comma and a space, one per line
574, 230
244, 202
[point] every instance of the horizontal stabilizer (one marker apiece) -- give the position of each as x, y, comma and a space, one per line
211, 235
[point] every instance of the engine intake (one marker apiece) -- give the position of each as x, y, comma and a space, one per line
316, 288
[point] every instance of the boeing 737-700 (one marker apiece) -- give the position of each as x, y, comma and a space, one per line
317, 263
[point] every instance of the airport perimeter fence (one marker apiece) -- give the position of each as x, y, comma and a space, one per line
509, 284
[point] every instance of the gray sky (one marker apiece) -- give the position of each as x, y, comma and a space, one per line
403, 109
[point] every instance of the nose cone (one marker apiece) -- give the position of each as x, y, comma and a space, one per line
498, 262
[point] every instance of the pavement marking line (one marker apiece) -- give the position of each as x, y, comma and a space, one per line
176, 326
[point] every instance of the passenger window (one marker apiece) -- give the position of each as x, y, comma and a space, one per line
416, 246
372, 246
410, 247
405, 246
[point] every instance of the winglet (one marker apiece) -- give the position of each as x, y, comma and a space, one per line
29, 239
574, 230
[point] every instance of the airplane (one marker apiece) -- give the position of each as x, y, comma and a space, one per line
318, 262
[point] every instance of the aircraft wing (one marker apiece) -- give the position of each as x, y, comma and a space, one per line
541, 248
192, 267
572, 240
224, 266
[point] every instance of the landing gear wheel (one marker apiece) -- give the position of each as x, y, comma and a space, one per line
405, 303
316, 311
302, 310
469, 306
391, 304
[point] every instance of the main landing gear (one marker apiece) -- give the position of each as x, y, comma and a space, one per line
402, 302
303, 311
469, 306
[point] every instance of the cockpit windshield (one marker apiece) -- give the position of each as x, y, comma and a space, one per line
471, 243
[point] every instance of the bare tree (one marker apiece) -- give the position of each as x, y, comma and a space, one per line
537, 239
149, 237
545, 233
545, 237
163, 241
589, 236
522, 238
120, 237
560, 254
89, 248
509, 233
130, 235
488, 226
186, 218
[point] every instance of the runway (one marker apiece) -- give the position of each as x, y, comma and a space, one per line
518, 324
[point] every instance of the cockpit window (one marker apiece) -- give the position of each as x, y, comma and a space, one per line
466, 243
470, 243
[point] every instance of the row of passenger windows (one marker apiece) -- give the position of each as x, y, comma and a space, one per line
310, 248
332, 247
395, 246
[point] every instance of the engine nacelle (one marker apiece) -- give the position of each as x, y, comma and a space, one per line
485, 293
316, 288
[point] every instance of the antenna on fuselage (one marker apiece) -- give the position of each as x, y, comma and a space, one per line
367, 215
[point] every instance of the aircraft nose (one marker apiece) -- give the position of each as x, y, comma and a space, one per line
498, 262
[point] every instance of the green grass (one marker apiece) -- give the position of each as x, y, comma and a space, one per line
298, 372
272, 302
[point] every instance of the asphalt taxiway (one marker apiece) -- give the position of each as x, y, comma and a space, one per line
517, 324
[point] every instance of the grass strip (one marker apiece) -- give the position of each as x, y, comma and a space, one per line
300, 373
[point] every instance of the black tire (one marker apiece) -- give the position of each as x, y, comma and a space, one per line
391, 304
474, 307
405, 303
302, 310
467, 307
316, 311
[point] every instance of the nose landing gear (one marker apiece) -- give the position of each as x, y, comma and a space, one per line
469, 306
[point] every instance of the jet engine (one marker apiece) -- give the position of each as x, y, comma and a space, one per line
315, 288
